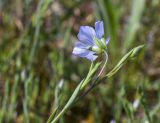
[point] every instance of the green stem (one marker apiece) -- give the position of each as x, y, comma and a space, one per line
96, 81
104, 64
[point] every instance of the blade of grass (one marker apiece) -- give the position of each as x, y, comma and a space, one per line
42, 7
138, 7
3, 113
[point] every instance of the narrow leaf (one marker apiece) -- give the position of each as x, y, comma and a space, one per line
130, 54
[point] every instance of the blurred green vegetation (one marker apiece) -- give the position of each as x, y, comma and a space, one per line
39, 72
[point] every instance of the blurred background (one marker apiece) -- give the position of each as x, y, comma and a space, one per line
39, 72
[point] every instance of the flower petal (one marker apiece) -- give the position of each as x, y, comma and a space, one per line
79, 51
81, 45
107, 41
99, 28
90, 56
84, 53
86, 34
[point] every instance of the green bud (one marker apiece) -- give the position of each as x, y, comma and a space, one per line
96, 49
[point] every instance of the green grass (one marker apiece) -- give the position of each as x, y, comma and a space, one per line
37, 38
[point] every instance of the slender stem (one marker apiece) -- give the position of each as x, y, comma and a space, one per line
104, 64
87, 77
90, 68
95, 81
26, 100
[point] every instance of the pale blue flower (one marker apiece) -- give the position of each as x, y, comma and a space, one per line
91, 41
112, 121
